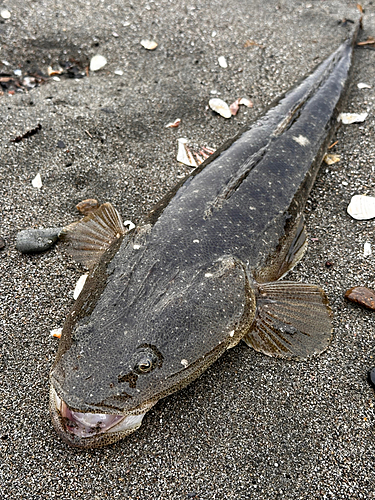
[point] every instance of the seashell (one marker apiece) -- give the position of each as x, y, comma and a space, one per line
79, 285
87, 206
363, 86
97, 62
349, 118
37, 181
183, 154
5, 14
330, 159
149, 44
362, 207
222, 62
220, 106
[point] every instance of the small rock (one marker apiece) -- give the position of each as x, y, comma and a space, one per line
149, 44
37, 240
371, 377
61, 145
2, 243
361, 295
222, 62
87, 206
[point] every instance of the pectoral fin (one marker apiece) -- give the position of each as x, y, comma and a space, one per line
90, 237
286, 256
293, 320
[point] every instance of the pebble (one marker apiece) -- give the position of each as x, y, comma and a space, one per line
37, 240
97, 62
361, 295
87, 206
5, 14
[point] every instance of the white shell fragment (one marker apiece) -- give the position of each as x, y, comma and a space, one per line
79, 286
5, 14
56, 332
37, 181
17, 72
349, 118
97, 62
330, 159
235, 106
222, 62
363, 86
119, 72
174, 124
362, 207
367, 249
149, 44
130, 224
220, 106
183, 154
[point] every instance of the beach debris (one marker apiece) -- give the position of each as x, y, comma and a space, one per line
235, 106
27, 134
370, 41
349, 118
362, 207
87, 206
97, 62
149, 44
37, 240
119, 72
130, 225
79, 285
61, 144
17, 72
2, 243
251, 43
363, 86
362, 296
53, 72
56, 333
222, 62
5, 14
174, 124
186, 153
220, 107
367, 251
37, 181
330, 159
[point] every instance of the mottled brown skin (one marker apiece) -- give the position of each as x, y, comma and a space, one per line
180, 288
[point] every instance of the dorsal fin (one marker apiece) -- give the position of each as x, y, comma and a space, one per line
90, 237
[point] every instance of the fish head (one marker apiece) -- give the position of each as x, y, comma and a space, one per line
139, 345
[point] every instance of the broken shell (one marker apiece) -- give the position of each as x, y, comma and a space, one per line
349, 118
149, 44
363, 86
183, 155
331, 159
119, 72
362, 207
97, 62
5, 14
361, 295
54, 72
37, 181
56, 333
87, 206
220, 107
246, 102
79, 285
174, 124
130, 225
222, 62
367, 249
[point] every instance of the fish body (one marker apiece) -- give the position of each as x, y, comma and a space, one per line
201, 273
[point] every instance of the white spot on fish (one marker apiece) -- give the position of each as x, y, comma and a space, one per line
184, 362
303, 141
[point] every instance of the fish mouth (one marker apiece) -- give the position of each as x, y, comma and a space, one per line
89, 430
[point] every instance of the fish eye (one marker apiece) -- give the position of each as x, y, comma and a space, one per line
145, 360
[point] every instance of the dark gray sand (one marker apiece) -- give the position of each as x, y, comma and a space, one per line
250, 427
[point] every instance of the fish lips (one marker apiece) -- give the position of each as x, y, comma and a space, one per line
90, 430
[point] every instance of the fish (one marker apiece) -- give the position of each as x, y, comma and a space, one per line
202, 272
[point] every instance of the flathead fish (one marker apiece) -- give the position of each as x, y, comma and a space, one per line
201, 273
